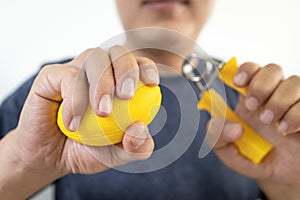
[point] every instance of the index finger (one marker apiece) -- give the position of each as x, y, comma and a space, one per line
126, 71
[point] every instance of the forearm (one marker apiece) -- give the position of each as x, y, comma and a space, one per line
18, 181
276, 191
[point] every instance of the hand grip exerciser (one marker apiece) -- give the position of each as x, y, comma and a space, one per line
97, 131
251, 145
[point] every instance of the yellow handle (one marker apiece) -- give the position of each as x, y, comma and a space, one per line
251, 145
227, 74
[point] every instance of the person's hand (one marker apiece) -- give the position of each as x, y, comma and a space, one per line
38, 146
270, 99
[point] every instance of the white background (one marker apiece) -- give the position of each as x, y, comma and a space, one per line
32, 32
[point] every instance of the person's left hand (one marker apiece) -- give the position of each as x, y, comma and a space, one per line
270, 99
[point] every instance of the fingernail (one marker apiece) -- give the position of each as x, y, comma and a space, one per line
105, 104
138, 134
251, 103
152, 76
137, 142
241, 78
74, 124
127, 88
267, 116
233, 131
282, 127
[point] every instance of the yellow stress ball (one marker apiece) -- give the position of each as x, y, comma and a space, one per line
98, 131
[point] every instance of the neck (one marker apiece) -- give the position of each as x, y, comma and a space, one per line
168, 64
166, 48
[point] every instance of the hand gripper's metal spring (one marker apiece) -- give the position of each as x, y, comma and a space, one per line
202, 75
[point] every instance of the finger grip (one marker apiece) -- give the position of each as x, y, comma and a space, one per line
227, 74
251, 145
97, 131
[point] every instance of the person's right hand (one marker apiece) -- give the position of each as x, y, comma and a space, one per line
38, 145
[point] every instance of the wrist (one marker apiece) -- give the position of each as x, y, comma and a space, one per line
18, 179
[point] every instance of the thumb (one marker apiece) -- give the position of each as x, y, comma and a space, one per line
137, 144
46, 94
221, 133
137, 139
58, 82
226, 150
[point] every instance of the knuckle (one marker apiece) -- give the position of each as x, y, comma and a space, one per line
249, 66
46, 69
145, 60
118, 48
86, 54
72, 72
97, 58
292, 117
294, 79
80, 60
279, 106
256, 89
291, 87
293, 124
89, 50
275, 68
99, 52
125, 65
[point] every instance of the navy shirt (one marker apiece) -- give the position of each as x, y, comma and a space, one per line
174, 171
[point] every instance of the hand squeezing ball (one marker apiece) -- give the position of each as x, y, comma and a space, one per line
98, 131
251, 145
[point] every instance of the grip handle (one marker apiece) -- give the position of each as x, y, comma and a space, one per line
251, 145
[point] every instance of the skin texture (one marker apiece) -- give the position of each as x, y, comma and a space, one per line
278, 174
36, 152
185, 18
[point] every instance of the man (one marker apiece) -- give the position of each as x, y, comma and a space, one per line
35, 153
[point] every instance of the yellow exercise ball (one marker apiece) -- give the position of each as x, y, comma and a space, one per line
98, 131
